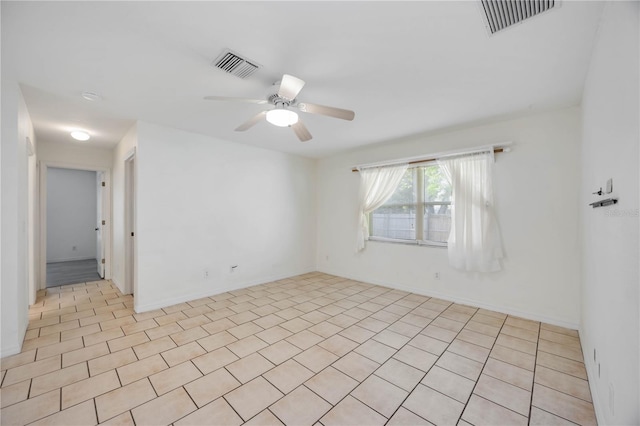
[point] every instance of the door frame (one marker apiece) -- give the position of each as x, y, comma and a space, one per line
130, 221
101, 193
106, 209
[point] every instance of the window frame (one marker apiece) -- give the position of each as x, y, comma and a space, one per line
420, 206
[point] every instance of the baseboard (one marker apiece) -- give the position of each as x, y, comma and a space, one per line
10, 351
592, 377
456, 299
113, 280
15, 349
212, 292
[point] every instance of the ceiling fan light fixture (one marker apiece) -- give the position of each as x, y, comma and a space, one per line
282, 117
80, 135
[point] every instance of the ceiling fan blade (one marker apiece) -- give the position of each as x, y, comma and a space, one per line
227, 98
251, 122
290, 86
301, 131
343, 114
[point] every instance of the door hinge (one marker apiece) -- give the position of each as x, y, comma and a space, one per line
103, 261
104, 222
104, 184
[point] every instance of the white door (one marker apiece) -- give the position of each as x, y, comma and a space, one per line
99, 224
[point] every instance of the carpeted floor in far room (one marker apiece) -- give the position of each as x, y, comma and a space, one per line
72, 272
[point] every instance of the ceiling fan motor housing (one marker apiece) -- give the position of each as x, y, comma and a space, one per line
275, 100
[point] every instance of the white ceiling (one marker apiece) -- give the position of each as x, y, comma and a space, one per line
404, 67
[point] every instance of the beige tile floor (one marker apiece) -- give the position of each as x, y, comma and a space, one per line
312, 349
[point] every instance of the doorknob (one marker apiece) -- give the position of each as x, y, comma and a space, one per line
97, 229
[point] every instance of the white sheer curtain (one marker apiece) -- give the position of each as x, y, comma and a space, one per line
474, 243
377, 185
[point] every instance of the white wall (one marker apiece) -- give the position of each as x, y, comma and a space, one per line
610, 305
75, 156
15, 228
536, 190
71, 215
33, 227
120, 153
206, 204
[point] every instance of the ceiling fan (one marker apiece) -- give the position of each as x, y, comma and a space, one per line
282, 114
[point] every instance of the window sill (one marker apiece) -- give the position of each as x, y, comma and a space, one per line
408, 242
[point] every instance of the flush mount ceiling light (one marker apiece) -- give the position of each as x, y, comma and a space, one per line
90, 96
282, 117
80, 135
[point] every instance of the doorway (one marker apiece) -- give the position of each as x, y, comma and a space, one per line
74, 225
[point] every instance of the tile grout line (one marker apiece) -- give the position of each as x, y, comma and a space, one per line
562, 372
192, 400
564, 393
229, 404
535, 366
95, 408
558, 415
562, 356
133, 419
500, 405
276, 416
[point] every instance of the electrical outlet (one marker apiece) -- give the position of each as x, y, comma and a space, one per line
436, 275
74, 248
206, 274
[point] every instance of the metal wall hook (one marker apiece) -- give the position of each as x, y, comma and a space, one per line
603, 203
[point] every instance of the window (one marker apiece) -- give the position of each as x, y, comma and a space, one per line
419, 210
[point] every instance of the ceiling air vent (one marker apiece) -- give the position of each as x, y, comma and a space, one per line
501, 14
235, 64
